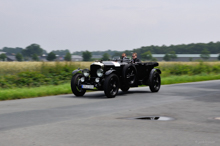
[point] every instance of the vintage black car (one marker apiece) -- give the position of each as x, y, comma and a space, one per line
112, 75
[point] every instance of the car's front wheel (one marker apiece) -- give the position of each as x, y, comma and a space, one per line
111, 85
76, 85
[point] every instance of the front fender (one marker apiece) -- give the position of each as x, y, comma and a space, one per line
76, 71
109, 72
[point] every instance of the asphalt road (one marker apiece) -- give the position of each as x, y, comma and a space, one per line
66, 120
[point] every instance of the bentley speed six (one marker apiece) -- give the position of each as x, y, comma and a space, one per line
112, 75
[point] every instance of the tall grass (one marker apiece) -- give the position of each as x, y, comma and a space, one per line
36, 74
192, 68
16, 67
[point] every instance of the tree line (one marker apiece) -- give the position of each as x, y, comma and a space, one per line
87, 56
213, 48
144, 53
193, 48
33, 52
110, 52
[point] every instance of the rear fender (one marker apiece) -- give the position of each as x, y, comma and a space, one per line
158, 70
155, 69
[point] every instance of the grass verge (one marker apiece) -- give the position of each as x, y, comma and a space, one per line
188, 78
20, 93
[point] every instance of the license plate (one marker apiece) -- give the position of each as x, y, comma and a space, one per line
87, 86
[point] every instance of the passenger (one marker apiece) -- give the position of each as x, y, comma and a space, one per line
134, 58
123, 56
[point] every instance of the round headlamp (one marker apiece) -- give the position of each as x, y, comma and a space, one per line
99, 72
82, 79
85, 72
97, 80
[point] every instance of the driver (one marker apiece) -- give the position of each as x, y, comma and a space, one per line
134, 58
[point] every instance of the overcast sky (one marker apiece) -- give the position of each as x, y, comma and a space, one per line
107, 24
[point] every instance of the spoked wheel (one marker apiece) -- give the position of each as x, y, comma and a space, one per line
154, 82
111, 85
129, 73
76, 85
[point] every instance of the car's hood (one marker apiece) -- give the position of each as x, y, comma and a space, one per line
108, 63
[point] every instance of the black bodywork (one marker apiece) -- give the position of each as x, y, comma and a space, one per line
128, 74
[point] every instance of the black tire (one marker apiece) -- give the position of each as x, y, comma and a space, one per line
129, 75
111, 85
125, 88
154, 82
76, 85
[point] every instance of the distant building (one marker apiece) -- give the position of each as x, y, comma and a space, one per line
186, 57
97, 56
43, 57
11, 58
59, 58
76, 58
2, 52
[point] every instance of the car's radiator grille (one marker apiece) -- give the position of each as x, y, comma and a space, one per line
93, 69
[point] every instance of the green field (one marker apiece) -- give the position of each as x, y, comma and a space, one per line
33, 79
